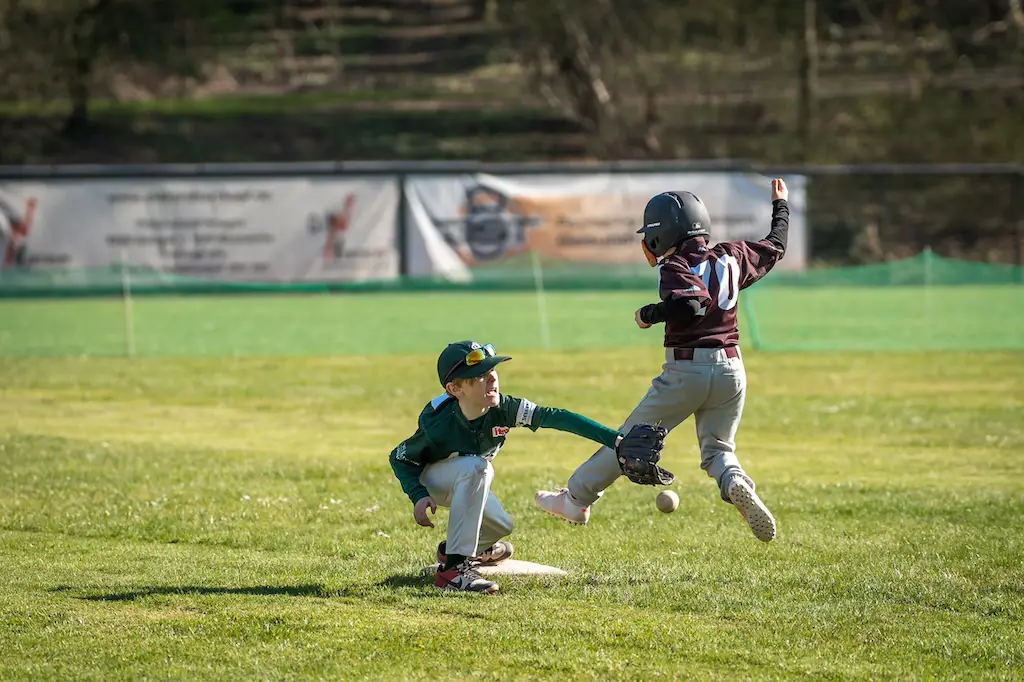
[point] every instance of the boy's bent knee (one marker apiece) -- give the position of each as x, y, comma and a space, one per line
477, 467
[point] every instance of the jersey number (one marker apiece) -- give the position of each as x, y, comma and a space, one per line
727, 272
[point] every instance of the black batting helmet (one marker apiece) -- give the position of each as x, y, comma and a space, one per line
671, 218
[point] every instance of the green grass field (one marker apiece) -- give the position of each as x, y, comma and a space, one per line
777, 318
979, 317
235, 518
304, 325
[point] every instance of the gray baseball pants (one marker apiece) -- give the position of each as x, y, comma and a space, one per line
711, 387
476, 519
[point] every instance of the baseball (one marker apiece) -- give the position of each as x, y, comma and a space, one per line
667, 501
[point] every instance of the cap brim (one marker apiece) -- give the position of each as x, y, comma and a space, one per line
480, 368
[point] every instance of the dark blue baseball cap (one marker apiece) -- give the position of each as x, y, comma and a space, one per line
466, 360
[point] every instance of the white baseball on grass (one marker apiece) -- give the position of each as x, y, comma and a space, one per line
667, 501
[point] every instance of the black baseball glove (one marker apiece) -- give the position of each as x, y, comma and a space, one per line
638, 453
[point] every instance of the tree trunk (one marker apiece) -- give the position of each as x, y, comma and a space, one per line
809, 79
78, 90
83, 55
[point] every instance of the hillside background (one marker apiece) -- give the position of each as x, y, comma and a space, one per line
786, 82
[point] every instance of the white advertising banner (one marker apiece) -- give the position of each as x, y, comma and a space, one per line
460, 221
256, 229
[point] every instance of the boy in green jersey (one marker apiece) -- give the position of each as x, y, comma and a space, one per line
447, 461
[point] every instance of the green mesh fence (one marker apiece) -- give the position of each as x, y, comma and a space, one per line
922, 303
514, 274
926, 302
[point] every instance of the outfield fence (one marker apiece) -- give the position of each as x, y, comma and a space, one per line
540, 256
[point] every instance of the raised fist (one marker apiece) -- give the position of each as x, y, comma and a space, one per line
779, 189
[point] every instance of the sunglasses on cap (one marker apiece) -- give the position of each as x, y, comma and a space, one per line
473, 357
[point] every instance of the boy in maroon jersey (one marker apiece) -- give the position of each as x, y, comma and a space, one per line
703, 374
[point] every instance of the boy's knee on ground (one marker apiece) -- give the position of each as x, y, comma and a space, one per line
493, 529
504, 524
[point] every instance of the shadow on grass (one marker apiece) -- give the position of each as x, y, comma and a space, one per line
256, 590
404, 581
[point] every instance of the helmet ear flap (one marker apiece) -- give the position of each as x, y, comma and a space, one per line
652, 260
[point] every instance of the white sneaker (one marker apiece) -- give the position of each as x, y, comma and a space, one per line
753, 510
563, 505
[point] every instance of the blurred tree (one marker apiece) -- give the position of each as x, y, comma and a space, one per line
812, 80
53, 49
613, 65
570, 54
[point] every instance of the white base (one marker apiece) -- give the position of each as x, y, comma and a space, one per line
509, 567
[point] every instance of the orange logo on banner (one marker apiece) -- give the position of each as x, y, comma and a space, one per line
593, 228
335, 223
20, 226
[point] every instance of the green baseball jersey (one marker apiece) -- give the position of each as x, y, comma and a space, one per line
443, 431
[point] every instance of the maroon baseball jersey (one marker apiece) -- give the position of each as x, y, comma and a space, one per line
715, 276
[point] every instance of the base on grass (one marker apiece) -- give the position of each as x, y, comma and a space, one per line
509, 567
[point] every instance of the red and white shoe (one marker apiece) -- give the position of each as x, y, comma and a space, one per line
463, 578
562, 504
499, 551
753, 510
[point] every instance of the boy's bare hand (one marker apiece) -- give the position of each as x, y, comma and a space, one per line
779, 189
639, 321
419, 512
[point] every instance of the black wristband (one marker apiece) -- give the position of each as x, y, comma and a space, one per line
653, 313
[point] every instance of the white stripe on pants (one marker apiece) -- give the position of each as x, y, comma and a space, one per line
476, 519
711, 387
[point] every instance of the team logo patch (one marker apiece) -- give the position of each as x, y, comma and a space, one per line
499, 431
400, 452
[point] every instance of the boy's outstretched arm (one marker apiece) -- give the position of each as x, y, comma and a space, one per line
571, 422
522, 412
637, 453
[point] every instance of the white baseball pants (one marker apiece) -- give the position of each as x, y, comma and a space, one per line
476, 519
711, 387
